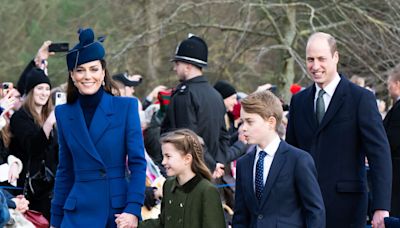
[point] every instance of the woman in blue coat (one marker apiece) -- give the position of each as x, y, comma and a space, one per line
99, 137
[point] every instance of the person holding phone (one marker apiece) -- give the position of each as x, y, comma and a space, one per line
7, 104
40, 61
34, 141
100, 138
6, 87
47, 49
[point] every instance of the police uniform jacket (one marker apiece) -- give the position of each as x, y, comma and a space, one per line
195, 204
199, 107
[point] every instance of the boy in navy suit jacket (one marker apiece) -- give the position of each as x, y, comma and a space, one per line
276, 184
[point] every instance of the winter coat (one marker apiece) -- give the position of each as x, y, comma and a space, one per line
29, 140
196, 105
91, 184
196, 204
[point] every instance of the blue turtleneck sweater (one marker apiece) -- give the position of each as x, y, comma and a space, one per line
89, 105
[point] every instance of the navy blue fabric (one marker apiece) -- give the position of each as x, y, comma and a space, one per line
86, 50
291, 196
4, 213
259, 174
392, 222
89, 105
351, 129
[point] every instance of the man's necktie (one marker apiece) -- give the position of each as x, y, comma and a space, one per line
320, 106
259, 182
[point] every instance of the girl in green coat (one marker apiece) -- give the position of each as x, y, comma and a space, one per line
189, 198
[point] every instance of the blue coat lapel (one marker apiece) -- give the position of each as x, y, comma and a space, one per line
276, 166
80, 132
102, 118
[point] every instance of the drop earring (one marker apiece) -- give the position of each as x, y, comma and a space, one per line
103, 83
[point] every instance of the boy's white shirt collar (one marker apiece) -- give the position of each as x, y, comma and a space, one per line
271, 148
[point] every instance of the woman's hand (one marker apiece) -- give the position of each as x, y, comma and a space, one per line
21, 204
13, 173
7, 102
42, 55
126, 220
49, 124
51, 118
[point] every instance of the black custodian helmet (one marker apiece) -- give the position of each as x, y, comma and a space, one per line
193, 50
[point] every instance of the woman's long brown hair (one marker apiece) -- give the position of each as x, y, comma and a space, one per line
29, 106
109, 85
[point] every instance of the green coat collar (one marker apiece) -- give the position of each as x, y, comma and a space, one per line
188, 186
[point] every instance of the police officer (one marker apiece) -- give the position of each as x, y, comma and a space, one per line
195, 104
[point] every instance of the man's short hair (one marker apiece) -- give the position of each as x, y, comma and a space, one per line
358, 80
329, 38
264, 104
395, 73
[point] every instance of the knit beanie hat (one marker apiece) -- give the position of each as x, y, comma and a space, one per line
35, 77
224, 88
86, 50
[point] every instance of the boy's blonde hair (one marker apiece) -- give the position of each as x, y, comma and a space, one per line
187, 142
264, 104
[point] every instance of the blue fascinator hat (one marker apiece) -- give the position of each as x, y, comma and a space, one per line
86, 50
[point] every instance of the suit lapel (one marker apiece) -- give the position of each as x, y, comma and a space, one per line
102, 118
388, 116
249, 182
80, 132
337, 101
309, 113
276, 166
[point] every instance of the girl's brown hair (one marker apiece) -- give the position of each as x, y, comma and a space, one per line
109, 85
29, 106
188, 142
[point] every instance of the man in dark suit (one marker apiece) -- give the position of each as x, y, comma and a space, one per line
276, 184
339, 124
392, 127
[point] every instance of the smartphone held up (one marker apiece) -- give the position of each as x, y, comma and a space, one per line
61, 98
59, 47
6, 87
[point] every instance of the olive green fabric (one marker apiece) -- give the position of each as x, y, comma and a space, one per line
195, 204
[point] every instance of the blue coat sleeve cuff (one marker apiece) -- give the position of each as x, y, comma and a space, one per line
134, 208
56, 220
